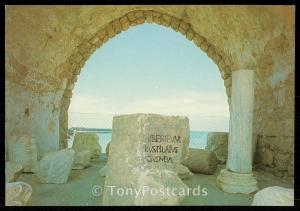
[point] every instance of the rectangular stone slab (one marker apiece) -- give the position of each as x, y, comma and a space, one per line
144, 150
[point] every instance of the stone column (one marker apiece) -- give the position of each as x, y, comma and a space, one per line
238, 177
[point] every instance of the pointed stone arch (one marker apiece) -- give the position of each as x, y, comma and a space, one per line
87, 47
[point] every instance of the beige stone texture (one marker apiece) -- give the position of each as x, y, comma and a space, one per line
201, 161
232, 182
183, 172
144, 151
12, 171
82, 160
107, 149
22, 150
217, 142
268, 158
274, 196
240, 143
17, 193
55, 167
87, 141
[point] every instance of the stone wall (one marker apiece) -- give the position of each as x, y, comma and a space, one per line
217, 142
275, 154
27, 112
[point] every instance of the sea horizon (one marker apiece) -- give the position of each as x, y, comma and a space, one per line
198, 138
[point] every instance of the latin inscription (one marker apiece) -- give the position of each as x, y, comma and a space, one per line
166, 146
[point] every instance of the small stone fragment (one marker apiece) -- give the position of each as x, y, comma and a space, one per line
82, 160
274, 196
183, 172
201, 161
217, 142
12, 171
17, 193
87, 141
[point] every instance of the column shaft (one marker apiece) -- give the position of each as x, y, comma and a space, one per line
241, 120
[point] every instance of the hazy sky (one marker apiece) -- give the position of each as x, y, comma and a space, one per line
150, 69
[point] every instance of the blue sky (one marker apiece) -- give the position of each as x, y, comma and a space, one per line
149, 69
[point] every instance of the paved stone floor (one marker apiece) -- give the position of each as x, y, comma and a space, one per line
78, 190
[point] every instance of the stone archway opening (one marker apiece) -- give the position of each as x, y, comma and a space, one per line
150, 69
88, 46
47, 46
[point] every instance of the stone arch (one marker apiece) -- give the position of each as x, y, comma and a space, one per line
87, 47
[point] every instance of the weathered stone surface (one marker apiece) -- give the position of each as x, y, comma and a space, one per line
183, 27
217, 142
274, 155
124, 22
240, 143
107, 149
291, 166
148, 15
238, 177
282, 144
102, 171
175, 23
12, 171
166, 20
55, 167
87, 141
117, 26
146, 148
110, 31
22, 150
160, 181
190, 34
282, 161
82, 160
201, 161
17, 193
231, 182
183, 172
274, 196
268, 158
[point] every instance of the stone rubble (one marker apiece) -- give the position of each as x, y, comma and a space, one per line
274, 196
87, 141
22, 150
17, 193
82, 160
217, 142
183, 172
12, 171
201, 161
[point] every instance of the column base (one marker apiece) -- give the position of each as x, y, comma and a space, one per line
232, 182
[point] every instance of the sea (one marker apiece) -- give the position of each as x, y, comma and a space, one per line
198, 139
